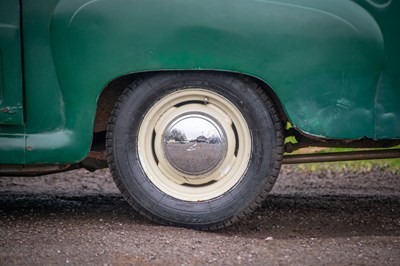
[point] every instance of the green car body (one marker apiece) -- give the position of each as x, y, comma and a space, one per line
189, 102
331, 65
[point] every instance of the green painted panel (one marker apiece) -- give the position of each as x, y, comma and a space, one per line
387, 107
48, 137
12, 148
332, 63
11, 103
45, 111
323, 59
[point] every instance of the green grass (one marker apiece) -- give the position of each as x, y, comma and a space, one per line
383, 163
357, 166
392, 165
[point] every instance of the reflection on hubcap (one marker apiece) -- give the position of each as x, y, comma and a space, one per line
194, 144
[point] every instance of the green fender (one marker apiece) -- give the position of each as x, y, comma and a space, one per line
331, 63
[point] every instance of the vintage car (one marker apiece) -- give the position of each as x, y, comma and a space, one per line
189, 102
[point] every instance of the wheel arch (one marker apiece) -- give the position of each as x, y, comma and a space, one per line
110, 93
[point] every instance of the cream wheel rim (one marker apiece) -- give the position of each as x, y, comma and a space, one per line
194, 145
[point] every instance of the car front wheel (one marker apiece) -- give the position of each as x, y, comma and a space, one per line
199, 150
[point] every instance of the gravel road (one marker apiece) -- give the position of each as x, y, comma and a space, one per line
324, 217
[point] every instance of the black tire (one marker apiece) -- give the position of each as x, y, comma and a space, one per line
129, 168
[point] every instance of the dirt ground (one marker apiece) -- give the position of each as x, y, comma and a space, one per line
326, 217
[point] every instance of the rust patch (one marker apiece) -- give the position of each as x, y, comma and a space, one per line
98, 155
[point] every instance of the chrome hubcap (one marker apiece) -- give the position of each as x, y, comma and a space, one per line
194, 145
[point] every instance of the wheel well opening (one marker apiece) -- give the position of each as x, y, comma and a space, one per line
110, 94
272, 95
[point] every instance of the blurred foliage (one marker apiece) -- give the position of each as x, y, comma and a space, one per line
392, 165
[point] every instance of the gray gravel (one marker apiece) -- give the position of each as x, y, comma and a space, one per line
325, 217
